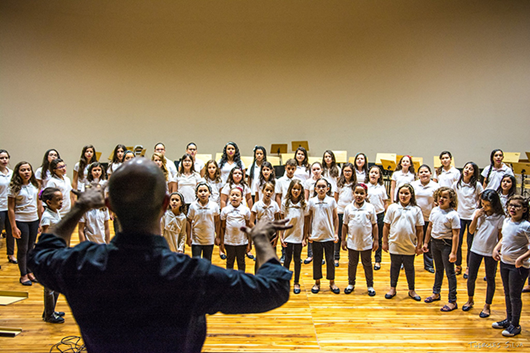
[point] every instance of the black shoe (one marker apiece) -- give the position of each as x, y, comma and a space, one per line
335, 290
54, 319
371, 292
308, 260
315, 289
483, 315
467, 307
415, 297
26, 283
282, 259
511, 331
429, 269
501, 324
250, 256
336, 263
222, 256
323, 262
12, 261
348, 289
465, 276
59, 313
377, 267
296, 290
390, 296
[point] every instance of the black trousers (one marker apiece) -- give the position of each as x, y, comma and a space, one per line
491, 269
380, 225
234, 252
26, 243
395, 267
50, 301
441, 248
319, 249
338, 244
204, 250
353, 261
427, 256
464, 224
513, 281
293, 252
10, 241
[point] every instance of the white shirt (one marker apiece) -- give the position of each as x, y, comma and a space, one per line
44, 180
282, 186
202, 219
360, 221
227, 188
80, 182
332, 180
174, 230
113, 167
322, 227
447, 177
504, 201
198, 165
259, 192
50, 218
424, 196
403, 222
216, 191
496, 175
235, 218
345, 197
302, 173
227, 167
264, 212
255, 179
377, 197
187, 184
296, 215
25, 203
515, 241
94, 221
65, 186
171, 168
487, 234
309, 184
360, 175
402, 178
443, 223
468, 199
5, 179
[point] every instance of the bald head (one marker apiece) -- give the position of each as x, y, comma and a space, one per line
137, 193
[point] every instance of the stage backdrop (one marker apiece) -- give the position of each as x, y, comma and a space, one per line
413, 77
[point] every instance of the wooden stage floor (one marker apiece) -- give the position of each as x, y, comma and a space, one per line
309, 322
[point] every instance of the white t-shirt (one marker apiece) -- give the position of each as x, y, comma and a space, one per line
50, 218
302, 173
227, 188
309, 185
25, 203
44, 180
5, 179
259, 192
345, 197
377, 197
504, 201
360, 175
174, 230
322, 227
216, 187
264, 212
235, 218
65, 186
80, 182
403, 222
282, 186
227, 167
360, 223
447, 177
496, 175
113, 167
443, 223
202, 219
487, 234
171, 168
94, 221
187, 185
402, 178
332, 180
296, 215
468, 199
255, 179
515, 241
424, 196
198, 165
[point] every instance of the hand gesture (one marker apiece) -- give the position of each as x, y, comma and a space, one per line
267, 228
91, 198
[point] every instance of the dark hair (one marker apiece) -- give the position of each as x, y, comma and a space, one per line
128, 152
202, 183
425, 166
327, 183
181, 165
217, 175
333, 170
16, 181
47, 195
289, 198
342, 180
492, 163
191, 143
83, 162
237, 156
453, 199
440, 168
251, 173
380, 180
474, 178
53, 166
411, 168
182, 204
4, 151
493, 197
513, 189
291, 162
523, 201
230, 180
305, 162
412, 194
272, 177
365, 166
159, 143
45, 164
95, 165
115, 153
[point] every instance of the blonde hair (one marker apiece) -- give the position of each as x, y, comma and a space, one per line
164, 161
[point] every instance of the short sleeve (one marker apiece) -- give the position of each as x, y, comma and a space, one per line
247, 214
346, 216
223, 214
45, 220
373, 216
255, 208
107, 217
419, 217
11, 193
455, 222
215, 210
278, 187
191, 211
82, 220
394, 176
389, 215
485, 171
225, 190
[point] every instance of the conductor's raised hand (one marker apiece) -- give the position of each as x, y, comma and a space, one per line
267, 229
92, 197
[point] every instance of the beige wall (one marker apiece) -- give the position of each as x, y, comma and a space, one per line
411, 77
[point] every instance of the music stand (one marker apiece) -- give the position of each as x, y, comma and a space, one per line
527, 155
341, 156
511, 157
523, 169
296, 144
279, 148
388, 164
387, 156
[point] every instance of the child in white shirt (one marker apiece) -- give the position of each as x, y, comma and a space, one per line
174, 222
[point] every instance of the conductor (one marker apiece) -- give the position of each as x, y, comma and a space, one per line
134, 294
